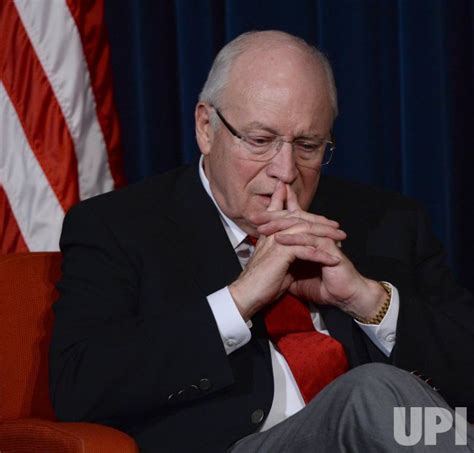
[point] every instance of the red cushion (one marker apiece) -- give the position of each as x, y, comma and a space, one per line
41, 436
27, 292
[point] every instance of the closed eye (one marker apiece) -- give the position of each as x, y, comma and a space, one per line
309, 147
259, 141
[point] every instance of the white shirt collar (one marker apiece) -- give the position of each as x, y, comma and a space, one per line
235, 233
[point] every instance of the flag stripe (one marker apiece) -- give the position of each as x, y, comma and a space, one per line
38, 111
57, 44
25, 183
89, 18
12, 239
59, 130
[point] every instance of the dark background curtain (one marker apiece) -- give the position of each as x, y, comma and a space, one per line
404, 71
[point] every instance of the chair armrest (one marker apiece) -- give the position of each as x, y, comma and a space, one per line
44, 436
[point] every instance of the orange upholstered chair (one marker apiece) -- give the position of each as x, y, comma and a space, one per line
27, 422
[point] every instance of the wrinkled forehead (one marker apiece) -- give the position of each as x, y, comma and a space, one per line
283, 83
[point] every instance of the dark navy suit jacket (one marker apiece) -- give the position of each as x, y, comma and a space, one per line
135, 344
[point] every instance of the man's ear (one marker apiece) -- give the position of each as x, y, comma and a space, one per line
204, 130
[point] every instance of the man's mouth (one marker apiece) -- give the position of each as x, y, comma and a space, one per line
265, 198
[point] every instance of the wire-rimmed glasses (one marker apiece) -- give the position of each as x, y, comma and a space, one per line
264, 146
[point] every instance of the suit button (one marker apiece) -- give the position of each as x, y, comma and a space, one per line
257, 416
180, 395
230, 342
193, 391
204, 384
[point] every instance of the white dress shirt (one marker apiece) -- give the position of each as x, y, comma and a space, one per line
235, 332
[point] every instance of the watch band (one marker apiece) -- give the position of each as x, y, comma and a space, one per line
377, 319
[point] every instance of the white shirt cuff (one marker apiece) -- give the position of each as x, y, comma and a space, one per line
383, 335
235, 333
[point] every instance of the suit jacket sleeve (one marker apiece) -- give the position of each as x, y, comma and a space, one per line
107, 359
435, 331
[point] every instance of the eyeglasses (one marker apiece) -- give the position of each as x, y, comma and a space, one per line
263, 146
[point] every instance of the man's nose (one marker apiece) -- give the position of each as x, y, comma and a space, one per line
283, 165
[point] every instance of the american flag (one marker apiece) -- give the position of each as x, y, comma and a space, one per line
59, 130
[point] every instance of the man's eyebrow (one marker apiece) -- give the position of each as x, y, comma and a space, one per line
258, 125
308, 137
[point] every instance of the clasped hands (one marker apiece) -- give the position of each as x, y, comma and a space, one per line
297, 252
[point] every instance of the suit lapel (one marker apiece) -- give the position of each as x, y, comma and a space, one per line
206, 246
210, 254
327, 203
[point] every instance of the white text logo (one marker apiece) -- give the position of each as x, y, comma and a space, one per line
429, 421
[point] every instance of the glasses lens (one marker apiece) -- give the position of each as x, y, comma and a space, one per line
322, 157
260, 148
265, 151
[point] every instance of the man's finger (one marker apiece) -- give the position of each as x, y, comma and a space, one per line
267, 216
304, 239
278, 198
291, 225
291, 199
278, 225
314, 255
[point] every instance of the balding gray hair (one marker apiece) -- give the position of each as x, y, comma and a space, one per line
213, 90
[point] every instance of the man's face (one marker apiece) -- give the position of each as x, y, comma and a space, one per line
282, 93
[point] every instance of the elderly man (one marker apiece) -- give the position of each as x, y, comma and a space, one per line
238, 303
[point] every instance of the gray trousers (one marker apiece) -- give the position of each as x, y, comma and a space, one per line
355, 414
